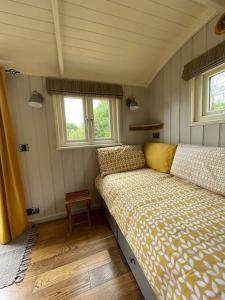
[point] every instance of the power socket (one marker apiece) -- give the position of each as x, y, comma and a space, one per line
23, 147
33, 211
156, 135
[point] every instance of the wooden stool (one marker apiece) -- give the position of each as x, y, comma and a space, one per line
76, 197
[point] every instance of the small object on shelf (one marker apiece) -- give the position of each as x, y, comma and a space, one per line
146, 126
74, 198
220, 25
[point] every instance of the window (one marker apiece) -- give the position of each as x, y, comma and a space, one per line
208, 97
86, 121
216, 99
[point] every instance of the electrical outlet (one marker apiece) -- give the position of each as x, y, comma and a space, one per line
23, 147
156, 135
33, 211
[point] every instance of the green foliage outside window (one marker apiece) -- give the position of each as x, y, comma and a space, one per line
217, 106
101, 120
217, 92
101, 124
74, 132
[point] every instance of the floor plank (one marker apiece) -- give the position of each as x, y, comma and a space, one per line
113, 289
85, 265
108, 271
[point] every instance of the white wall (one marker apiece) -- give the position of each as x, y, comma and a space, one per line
168, 95
48, 173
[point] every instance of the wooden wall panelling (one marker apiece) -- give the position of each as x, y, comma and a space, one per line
78, 158
32, 171
124, 117
68, 170
167, 102
185, 130
211, 135
142, 114
95, 172
159, 104
175, 99
222, 135
43, 153
55, 155
90, 170
19, 135
139, 116
160, 87
197, 135
198, 47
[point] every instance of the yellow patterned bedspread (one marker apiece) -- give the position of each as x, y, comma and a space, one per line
175, 229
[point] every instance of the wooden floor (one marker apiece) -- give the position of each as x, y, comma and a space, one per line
86, 265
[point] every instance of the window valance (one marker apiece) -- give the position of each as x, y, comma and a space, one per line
57, 86
208, 60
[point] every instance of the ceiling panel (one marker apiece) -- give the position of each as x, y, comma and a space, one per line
159, 12
126, 27
110, 40
97, 72
69, 7
24, 22
29, 11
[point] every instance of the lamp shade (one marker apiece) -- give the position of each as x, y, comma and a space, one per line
36, 100
132, 104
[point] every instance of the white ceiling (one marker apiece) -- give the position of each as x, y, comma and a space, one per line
121, 41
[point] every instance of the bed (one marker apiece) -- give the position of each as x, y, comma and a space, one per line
175, 229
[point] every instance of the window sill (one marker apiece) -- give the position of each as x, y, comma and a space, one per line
207, 122
87, 146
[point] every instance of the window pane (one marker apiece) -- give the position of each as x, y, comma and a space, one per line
74, 114
217, 92
102, 126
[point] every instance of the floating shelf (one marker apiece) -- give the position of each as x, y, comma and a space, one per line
146, 126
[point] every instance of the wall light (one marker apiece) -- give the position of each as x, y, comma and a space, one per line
36, 100
132, 104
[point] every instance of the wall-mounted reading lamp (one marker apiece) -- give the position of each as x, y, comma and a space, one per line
36, 100
132, 104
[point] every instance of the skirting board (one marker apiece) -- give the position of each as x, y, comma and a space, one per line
59, 215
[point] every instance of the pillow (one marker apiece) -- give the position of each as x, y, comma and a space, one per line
203, 166
120, 159
159, 156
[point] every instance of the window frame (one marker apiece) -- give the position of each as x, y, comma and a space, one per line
199, 96
90, 141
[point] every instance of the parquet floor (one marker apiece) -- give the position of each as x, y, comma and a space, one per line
86, 265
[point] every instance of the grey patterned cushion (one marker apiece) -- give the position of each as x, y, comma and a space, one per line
204, 166
120, 159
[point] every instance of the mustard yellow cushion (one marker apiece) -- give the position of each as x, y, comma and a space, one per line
159, 156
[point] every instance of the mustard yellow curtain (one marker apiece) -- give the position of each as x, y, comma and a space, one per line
13, 219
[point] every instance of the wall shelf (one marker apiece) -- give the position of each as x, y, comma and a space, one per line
146, 126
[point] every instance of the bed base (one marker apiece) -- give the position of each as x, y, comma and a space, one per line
130, 258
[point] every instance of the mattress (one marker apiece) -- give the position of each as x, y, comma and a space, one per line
175, 229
